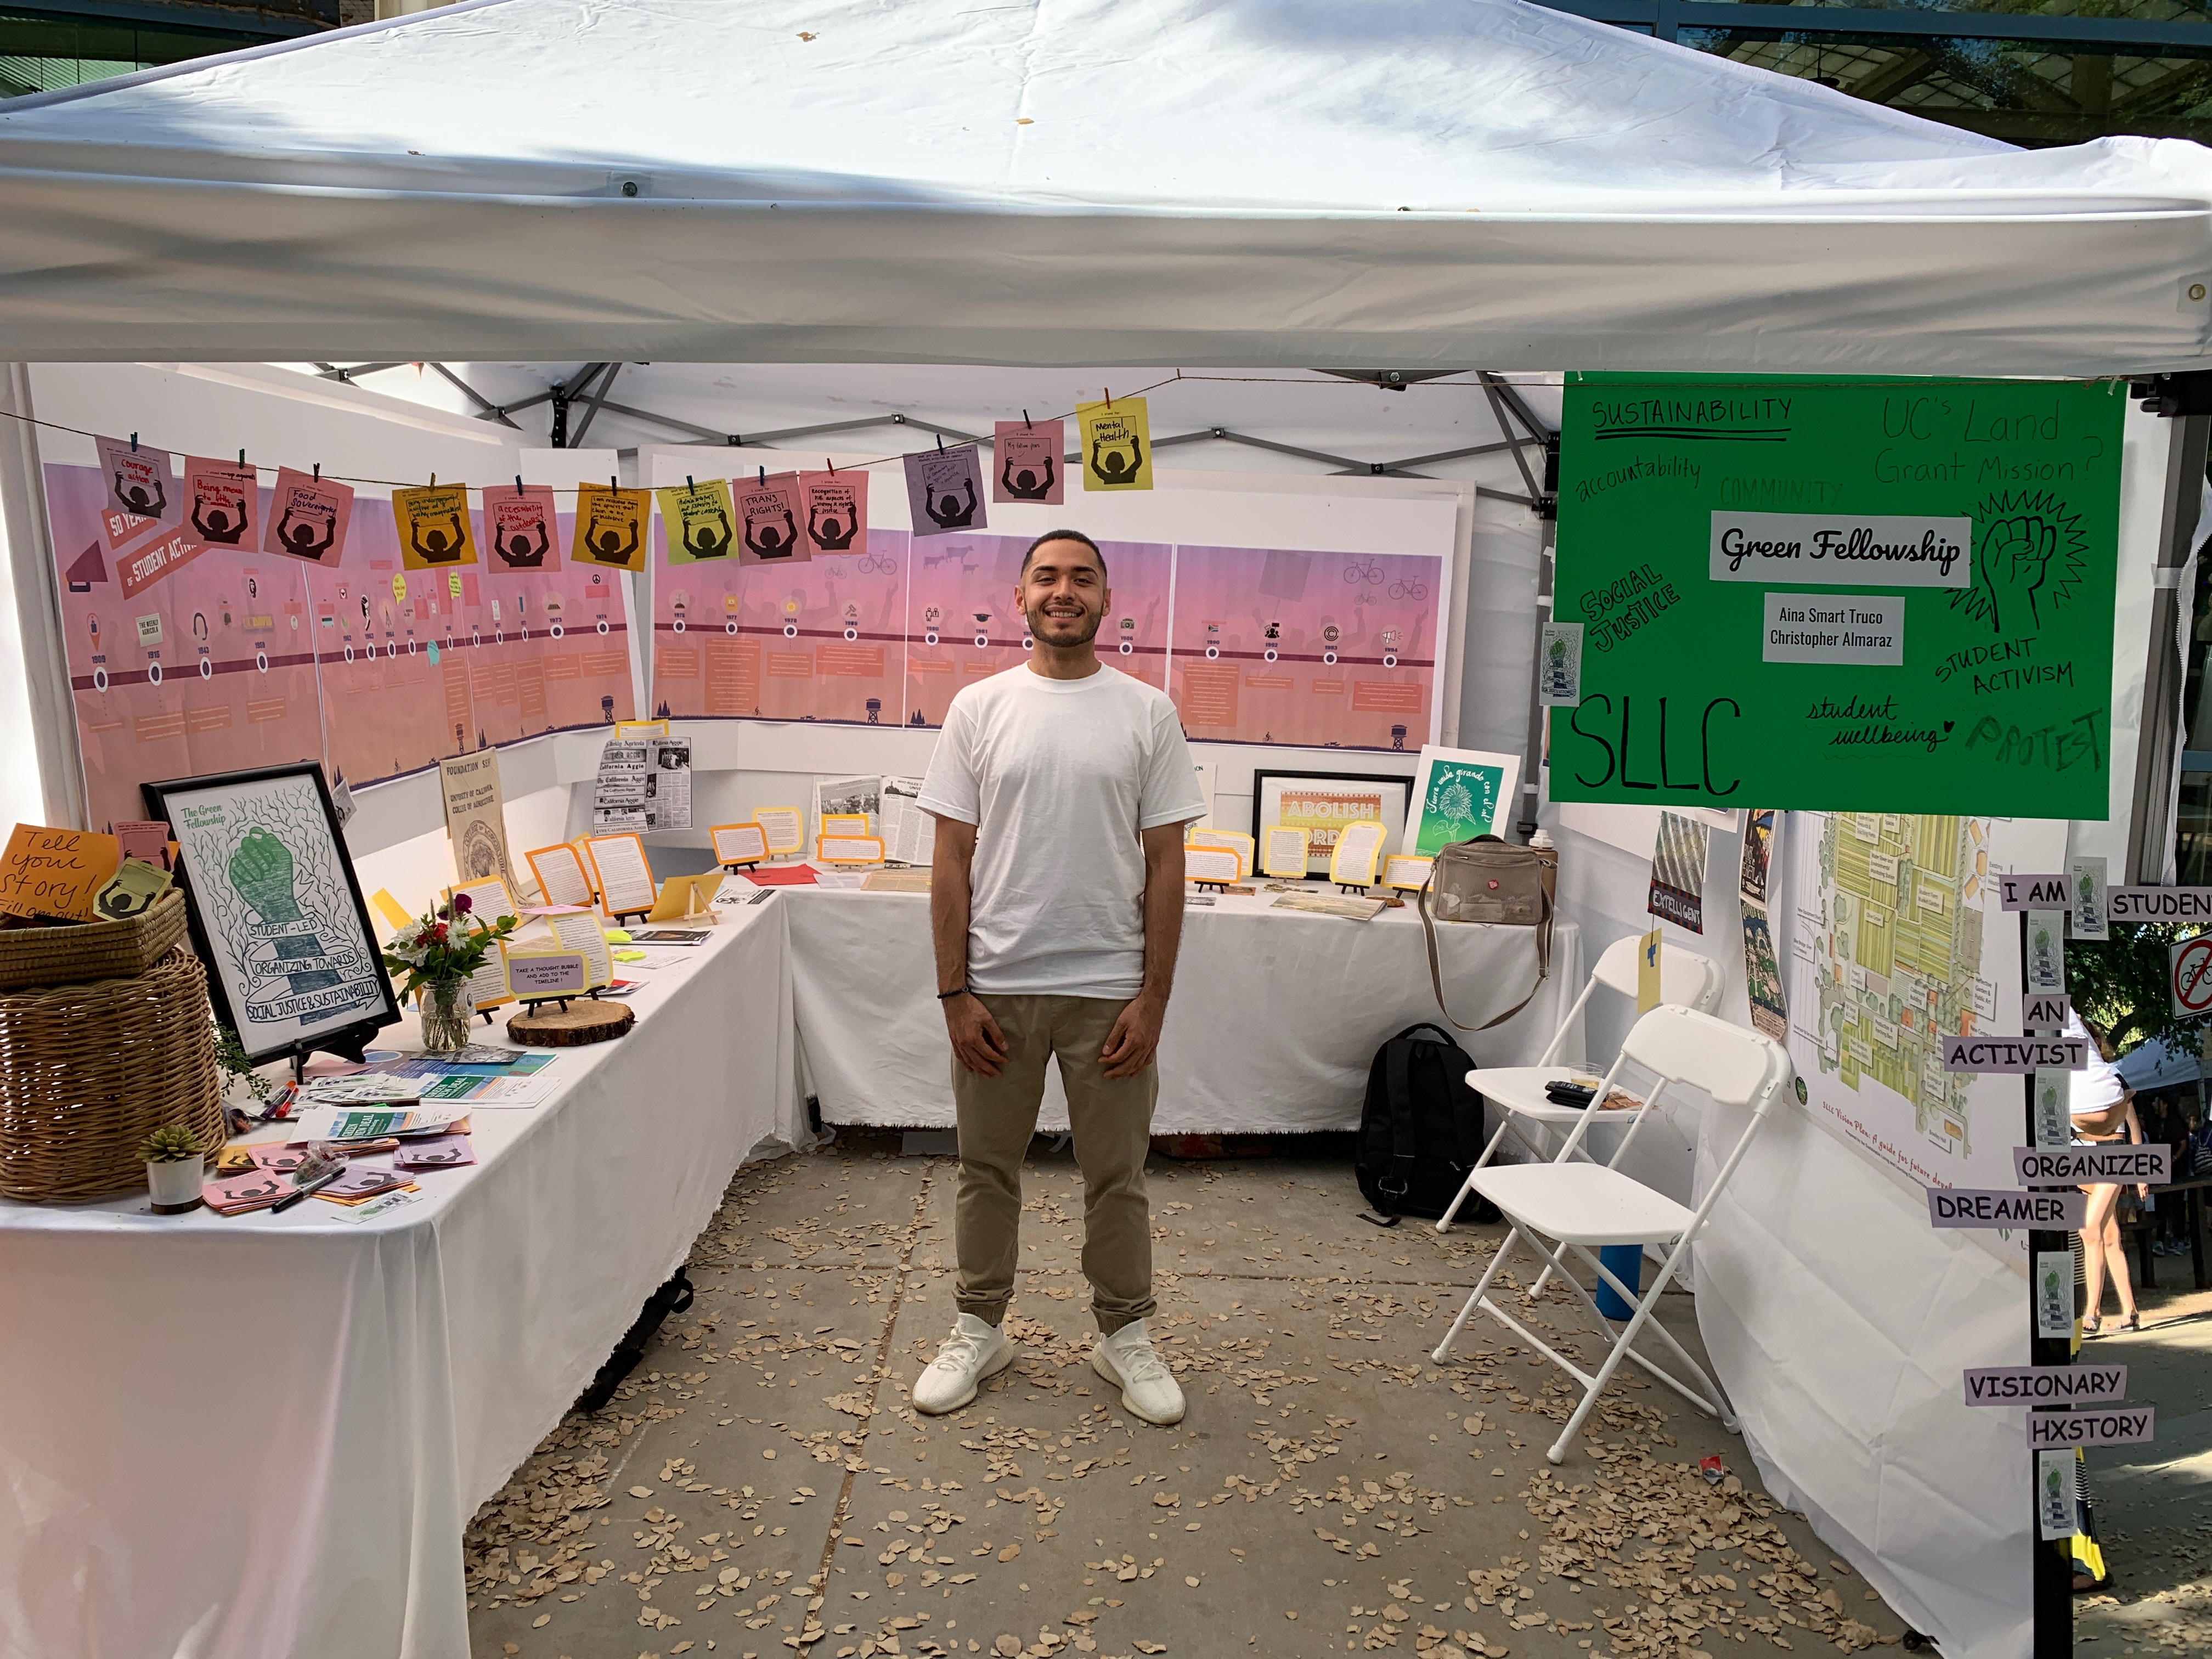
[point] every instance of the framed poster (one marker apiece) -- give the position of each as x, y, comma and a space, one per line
1322, 803
1458, 794
277, 913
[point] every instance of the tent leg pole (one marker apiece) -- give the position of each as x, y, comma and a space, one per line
2151, 823
37, 608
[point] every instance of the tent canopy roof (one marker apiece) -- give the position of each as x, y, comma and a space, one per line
1417, 183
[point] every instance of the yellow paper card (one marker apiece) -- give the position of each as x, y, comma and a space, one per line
785, 828
1117, 444
1285, 850
1647, 974
844, 824
1359, 853
56, 872
394, 912
640, 729
699, 518
434, 527
610, 526
687, 896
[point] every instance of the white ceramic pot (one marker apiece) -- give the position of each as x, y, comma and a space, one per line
175, 1185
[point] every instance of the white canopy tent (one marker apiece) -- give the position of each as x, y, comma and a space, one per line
1422, 185
1427, 183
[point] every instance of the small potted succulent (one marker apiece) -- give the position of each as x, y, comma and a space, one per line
176, 1164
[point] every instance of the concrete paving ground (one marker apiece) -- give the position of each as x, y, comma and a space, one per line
761, 1487
2153, 1502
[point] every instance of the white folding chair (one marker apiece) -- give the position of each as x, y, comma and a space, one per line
1686, 980
1584, 1206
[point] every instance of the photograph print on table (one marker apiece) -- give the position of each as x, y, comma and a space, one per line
277, 913
1321, 803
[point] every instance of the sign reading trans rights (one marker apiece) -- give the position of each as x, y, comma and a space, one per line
1872, 595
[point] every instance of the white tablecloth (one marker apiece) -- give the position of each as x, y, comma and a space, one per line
263, 1435
1275, 1018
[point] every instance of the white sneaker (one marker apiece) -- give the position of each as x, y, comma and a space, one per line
1127, 1360
975, 1350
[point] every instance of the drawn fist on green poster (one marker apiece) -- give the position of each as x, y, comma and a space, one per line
2025, 564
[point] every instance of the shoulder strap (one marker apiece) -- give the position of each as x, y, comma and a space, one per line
1395, 1054
1436, 971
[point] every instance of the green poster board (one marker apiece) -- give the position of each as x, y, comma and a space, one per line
1874, 595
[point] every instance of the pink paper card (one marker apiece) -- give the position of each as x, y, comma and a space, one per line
221, 500
243, 1192
522, 527
439, 1153
356, 1184
1027, 459
944, 490
141, 483
146, 840
835, 511
769, 513
309, 515
279, 1160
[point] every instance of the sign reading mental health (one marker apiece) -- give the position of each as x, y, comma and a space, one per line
1861, 594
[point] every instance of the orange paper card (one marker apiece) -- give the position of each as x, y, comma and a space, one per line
55, 872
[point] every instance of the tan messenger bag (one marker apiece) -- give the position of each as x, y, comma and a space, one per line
1489, 879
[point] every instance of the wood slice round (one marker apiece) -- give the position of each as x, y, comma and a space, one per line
585, 1020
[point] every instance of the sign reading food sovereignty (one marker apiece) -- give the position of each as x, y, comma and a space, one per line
1879, 595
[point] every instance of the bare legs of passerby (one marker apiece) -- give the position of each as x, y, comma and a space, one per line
2100, 1246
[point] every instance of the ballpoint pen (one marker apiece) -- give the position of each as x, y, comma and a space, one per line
308, 1191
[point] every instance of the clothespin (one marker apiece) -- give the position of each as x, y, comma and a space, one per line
318, 472
241, 458
433, 481
831, 464
134, 443
1109, 397
763, 478
518, 483
689, 483
1026, 420
941, 443
613, 483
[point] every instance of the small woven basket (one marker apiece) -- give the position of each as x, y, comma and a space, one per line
88, 1070
91, 949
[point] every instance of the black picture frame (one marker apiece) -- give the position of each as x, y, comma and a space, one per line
1317, 858
227, 933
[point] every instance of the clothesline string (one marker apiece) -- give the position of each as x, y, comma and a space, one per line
558, 490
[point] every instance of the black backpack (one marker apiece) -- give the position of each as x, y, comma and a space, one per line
1421, 1128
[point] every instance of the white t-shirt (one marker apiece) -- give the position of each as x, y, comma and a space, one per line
1058, 776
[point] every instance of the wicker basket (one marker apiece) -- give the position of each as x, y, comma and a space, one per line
91, 949
86, 1071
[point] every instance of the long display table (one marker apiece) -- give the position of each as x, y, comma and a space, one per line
1275, 1018
262, 1437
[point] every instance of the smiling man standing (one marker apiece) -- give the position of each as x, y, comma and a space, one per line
1060, 792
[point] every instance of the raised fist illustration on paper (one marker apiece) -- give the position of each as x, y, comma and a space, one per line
2027, 561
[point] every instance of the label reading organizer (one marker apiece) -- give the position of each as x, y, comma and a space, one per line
1848, 629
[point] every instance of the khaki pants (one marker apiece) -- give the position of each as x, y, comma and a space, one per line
1113, 1125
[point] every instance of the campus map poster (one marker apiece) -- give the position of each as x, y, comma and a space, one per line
1839, 594
1896, 942
219, 658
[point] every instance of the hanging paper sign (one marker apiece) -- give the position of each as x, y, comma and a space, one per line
522, 527
610, 525
434, 527
1027, 457
221, 498
1705, 526
837, 508
140, 482
307, 517
1117, 444
701, 521
147, 563
768, 514
944, 490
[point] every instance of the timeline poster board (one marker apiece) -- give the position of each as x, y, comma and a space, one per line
1863, 594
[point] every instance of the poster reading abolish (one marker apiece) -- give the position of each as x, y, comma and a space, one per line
1865, 594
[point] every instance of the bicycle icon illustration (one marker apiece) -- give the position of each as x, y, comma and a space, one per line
1368, 569
876, 564
1412, 590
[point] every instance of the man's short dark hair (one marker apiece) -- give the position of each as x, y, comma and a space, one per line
1063, 536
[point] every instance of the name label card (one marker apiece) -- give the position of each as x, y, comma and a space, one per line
2127, 1425
2015, 1055
2070, 1166
2045, 1385
1964, 1206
